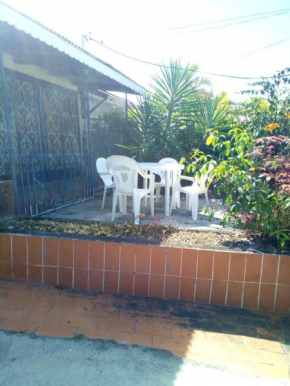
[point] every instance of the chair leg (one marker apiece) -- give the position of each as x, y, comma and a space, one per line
152, 203
158, 189
115, 198
194, 207
206, 198
136, 204
104, 197
172, 206
177, 199
188, 202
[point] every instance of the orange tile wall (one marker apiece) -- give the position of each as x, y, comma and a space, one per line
238, 279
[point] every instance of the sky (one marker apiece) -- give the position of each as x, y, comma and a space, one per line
153, 30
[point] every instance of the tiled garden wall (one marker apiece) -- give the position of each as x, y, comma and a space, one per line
255, 281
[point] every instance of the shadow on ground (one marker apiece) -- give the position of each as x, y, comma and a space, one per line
27, 360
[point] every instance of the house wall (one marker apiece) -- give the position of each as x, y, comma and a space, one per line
37, 72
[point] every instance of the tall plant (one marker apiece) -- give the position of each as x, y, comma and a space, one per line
168, 110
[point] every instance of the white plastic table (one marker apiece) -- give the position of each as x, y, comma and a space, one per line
153, 167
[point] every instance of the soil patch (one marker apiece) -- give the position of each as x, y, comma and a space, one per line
147, 234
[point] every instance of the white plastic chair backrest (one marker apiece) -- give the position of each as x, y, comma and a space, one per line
202, 181
125, 171
103, 171
166, 161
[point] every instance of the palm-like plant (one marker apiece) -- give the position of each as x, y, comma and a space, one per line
169, 108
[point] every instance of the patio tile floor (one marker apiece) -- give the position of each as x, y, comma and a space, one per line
237, 340
91, 211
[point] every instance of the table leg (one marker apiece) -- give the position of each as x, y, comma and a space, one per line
167, 192
145, 187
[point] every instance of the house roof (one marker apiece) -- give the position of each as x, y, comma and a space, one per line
42, 41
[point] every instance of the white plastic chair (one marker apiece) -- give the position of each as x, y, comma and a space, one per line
105, 176
203, 189
125, 172
161, 183
191, 192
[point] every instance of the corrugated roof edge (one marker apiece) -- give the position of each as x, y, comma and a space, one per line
137, 87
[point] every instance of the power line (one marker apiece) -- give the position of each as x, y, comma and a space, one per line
229, 19
262, 49
162, 66
231, 24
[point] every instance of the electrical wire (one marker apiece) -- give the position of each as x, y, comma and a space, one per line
88, 38
229, 19
231, 24
262, 49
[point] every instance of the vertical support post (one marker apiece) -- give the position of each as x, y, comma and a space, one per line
126, 105
90, 157
88, 113
9, 131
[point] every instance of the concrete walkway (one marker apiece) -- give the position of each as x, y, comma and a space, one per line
193, 338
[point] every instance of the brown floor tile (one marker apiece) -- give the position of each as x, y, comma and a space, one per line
205, 359
156, 287
6, 271
188, 334
170, 344
93, 333
263, 344
141, 284
284, 270
189, 260
148, 329
172, 285
142, 258
34, 249
127, 258
158, 260
135, 339
221, 265
81, 278
270, 371
19, 249
113, 325
187, 289
97, 251
34, 274
237, 367
202, 291
13, 314
5, 248
250, 355
126, 283
96, 280
19, 326
50, 251
270, 266
50, 276
237, 268
20, 272
214, 350
205, 264
278, 359
112, 256
253, 268
232, 340
56, 330
251, 291
66, 253
173, 261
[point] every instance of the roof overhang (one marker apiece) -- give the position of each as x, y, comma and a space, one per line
32, 43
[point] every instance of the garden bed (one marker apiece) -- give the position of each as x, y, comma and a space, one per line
154, 261
148, 234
